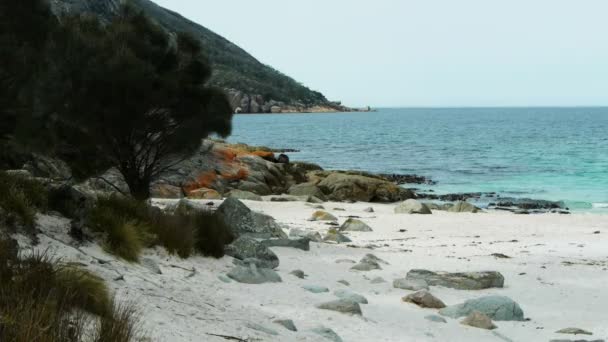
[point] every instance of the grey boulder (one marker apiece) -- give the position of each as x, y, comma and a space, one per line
412, 206
310, 234
355, 225
463, 207
498, 308
242, 221
349, 295
243, 195
307, 189
461, 281
343, 306
327, 334
249, 248
335, 236
286, 323
302, 243
251, 274
410, 284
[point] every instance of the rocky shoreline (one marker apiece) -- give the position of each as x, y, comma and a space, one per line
219, 170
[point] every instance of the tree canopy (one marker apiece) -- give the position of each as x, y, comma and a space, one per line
124, 94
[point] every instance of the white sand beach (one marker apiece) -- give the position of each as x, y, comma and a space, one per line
557, 272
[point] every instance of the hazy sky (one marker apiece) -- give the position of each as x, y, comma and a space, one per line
424, 52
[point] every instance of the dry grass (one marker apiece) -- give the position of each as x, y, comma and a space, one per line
43, 301
20, 198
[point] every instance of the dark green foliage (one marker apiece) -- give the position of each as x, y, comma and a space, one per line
130, 225
38, 297
124, 224
20, 198
175, 232
212, 235
137, 97
121, 326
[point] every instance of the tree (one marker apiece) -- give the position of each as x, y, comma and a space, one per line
129, 95
24, 29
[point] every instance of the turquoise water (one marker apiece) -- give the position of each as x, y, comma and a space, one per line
541, 153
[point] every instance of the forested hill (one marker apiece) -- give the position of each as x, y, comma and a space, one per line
252, 86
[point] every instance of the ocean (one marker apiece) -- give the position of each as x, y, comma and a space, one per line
558, 154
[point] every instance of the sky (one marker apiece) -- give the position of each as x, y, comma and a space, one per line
435, 53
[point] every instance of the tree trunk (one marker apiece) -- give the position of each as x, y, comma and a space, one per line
139, 187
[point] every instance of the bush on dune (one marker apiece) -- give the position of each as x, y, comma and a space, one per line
130, 225
21, 197
44, 301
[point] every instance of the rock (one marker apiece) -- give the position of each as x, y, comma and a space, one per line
267, 223
307, 189
340, 186
275, 110
321, 215
368, 263
463, 207
151, 265
498, 308
411, 206
286, 323
327, 333
335, 236
163, 190
243, 195
342, 305
355, 225
251, 274
261, 328
378, 280
256, 187
574, 331
344, 282
349, 295
203, 193
311, 235
224, 279
302, 243
424, 299
461, 281
246, 247
478, 320
369, 210
410, 284
315, 288
43, 166
435, 318
345, 261
242, 221
298, 273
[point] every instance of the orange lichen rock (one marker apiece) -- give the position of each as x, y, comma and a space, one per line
204, 180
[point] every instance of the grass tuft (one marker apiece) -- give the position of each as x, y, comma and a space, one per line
44, 301
20, 198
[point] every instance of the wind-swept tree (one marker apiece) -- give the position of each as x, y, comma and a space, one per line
130, 95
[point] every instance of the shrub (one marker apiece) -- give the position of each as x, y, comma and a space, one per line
122, 325
212, 235
124, 223
21, 197
43, 301
175, 232
87, 291
130, 225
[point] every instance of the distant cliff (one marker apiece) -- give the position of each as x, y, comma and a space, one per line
251, 86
